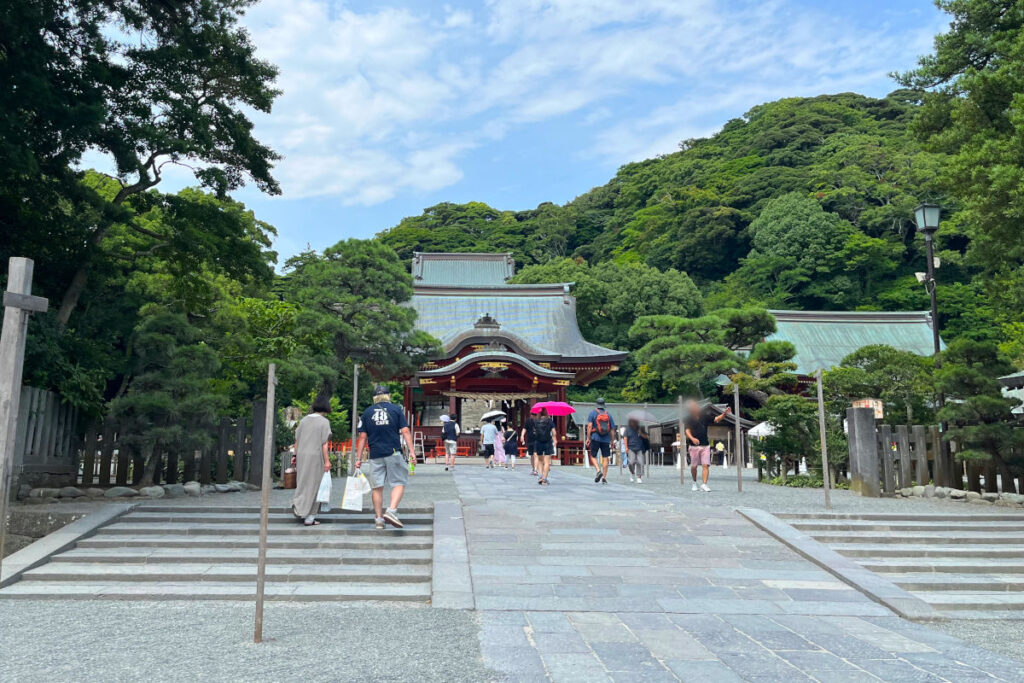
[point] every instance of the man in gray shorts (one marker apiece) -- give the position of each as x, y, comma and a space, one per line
383, 426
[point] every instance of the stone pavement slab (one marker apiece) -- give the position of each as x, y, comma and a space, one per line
639, 586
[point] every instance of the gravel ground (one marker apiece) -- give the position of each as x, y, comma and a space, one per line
170, 641
1004, 637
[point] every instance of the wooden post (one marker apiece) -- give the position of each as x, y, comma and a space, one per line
903, 439
738, 441
920, 455
888, 466
863, 451
682, 448
942, 475
223, 444
89, 455
355, 418
18, 303
268, 462
825, 476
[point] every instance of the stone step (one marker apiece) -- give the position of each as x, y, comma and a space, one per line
899, 516
180, 573
243, 555
193, 518
912, 550
905, 525
954, 601
255, 509
213, 590
944, 565
275, 529
932, 582
920, 538
381, 541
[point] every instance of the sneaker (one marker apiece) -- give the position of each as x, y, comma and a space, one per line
391, 517
603, 480
445, 468
380, 523
534, 473
597, 478
639, 480
631, 479
694, 486
704, 488
540, 481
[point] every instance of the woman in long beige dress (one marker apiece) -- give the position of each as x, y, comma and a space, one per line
311, 460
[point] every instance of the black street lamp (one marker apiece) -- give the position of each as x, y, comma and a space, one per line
927, 216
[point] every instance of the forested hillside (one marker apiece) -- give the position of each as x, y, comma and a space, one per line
802, 203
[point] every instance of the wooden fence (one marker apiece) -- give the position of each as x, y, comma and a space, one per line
46, 440
884, 458
108, 458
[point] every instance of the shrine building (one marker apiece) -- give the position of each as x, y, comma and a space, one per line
504, 346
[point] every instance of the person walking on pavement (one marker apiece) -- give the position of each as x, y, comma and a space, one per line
488, 434
635, 450
699, 445
510, 437
545, 442
311, 460
528, 438
450, 431
383, 426
600, 437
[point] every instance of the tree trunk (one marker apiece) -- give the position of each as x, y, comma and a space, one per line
72, 294
149, 470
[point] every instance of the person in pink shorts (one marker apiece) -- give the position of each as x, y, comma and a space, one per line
699, 445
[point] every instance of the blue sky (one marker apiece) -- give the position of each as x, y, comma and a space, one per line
392, 107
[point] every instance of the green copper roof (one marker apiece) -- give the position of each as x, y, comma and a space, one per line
540, 320
462, 269
824, 338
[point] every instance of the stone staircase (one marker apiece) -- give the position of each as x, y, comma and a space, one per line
967, 566
169, 552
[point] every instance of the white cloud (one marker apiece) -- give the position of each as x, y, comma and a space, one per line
388, 100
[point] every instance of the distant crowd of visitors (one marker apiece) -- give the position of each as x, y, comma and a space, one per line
383, 431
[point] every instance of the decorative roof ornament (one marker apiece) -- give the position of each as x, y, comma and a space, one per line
486, 322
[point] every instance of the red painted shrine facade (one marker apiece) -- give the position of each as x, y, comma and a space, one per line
504, 346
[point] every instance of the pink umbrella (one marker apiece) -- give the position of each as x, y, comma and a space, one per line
555, 408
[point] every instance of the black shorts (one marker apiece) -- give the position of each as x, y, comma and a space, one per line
488, 451
544, 447
531, 447
604, 447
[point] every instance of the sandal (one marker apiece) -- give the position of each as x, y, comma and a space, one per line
313, 523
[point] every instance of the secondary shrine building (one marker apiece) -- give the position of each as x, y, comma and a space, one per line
504, 346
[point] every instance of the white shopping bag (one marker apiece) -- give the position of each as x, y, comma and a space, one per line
323, 494
353, 497
362, 483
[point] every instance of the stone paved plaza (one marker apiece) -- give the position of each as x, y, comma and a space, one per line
572, 582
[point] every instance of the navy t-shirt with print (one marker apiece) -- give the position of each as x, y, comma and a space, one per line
382, 423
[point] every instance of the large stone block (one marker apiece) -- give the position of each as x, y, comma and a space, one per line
121, 492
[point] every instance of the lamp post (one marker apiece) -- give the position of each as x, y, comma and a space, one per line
927, 217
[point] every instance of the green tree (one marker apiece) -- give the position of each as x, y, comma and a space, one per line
611, 296
979, 416
689, 353
170, 404
796, 434
901, 379
353, 299
149, 84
